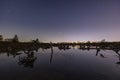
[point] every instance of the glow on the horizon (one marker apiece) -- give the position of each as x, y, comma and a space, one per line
61, 21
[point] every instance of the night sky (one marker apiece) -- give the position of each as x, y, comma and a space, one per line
60, 20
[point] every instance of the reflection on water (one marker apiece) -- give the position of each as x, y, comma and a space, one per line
68, 64
51, 54
27, 61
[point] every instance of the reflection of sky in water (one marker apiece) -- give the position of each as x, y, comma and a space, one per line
70, 64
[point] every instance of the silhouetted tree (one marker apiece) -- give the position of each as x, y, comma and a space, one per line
1, 37
15, 39
37, 40
103, 40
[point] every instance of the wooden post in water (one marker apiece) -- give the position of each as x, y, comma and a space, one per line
51, 52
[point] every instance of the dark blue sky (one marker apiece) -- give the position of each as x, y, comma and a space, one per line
61, 20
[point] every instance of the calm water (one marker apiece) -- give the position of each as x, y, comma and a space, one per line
72, 64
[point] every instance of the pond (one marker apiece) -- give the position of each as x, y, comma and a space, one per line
55, 64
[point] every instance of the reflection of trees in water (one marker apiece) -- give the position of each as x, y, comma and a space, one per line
64, 47
9, 52
98, 53
27, 61
118, 55
98, 50
116, 49
118, 61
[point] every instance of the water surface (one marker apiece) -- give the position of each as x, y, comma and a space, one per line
71, 64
